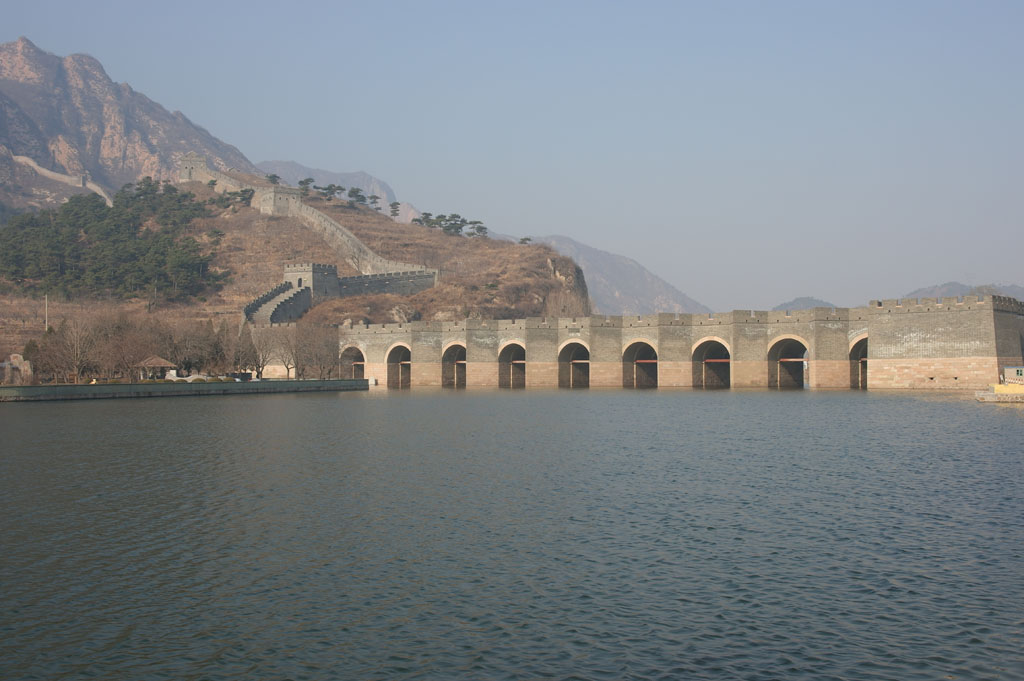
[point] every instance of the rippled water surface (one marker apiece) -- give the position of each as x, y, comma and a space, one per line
488, 535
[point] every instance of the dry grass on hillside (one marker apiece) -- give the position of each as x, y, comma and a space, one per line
254, 248
480, 278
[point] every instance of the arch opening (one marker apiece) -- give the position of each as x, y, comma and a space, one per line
859, 365
574, 366
512, 367
640, 366
399, 368
352, 363
453, 367
711, 362
787, 365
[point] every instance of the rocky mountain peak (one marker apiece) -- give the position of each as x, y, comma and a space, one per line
24, 62
69, 117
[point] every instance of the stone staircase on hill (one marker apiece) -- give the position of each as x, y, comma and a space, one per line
290, 299
258, 302
284, 307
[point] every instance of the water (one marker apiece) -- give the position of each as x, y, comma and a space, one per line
498, 535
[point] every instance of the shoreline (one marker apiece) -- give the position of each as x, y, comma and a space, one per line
43, 393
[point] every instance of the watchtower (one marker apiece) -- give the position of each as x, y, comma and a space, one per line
321, 279
191, 167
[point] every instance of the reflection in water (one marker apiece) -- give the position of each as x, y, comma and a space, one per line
472, 535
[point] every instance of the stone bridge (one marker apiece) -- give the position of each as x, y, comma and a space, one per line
946, 343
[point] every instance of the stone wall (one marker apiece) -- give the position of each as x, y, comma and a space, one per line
287, 201
293, 307
70, 180
925, 344
397, 283
36, 393
323, 279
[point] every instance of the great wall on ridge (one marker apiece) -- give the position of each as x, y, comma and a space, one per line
303, 283
918, 344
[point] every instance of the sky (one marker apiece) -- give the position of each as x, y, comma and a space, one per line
746, 152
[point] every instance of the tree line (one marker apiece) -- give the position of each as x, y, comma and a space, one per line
137, 247
452, 224
111, 346
328, 192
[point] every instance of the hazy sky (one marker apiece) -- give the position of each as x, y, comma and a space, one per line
747, 152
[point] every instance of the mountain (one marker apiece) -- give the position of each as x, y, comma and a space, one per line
1012, 290
955, 288
621, 285
803, 303
65, 116
291, 173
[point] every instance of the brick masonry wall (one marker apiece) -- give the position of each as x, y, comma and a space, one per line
541, 374
675, 374
481, 374
749, 373
605, 374
933, 373
827, 373
903, 342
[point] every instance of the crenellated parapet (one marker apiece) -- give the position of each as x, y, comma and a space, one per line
1007, 304
905, 305
397, 283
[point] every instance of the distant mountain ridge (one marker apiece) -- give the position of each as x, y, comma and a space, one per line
67, 115
619, 285
955, 288
803, 303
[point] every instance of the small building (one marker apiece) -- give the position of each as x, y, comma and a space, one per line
153, 368
1013, 375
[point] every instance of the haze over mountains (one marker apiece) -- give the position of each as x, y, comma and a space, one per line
66, 115
621, 285
955, 288
802, 303
69, 117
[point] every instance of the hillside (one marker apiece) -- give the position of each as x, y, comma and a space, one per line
252, 248
67, 115
479, 277
621, 285
64, 122
292, 173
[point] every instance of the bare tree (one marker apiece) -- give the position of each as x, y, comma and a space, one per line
191, 345
319, 347
264, 347
288, 351
74, 345
122, 343
227, 347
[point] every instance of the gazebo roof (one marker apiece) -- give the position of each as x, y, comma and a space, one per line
155, 362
